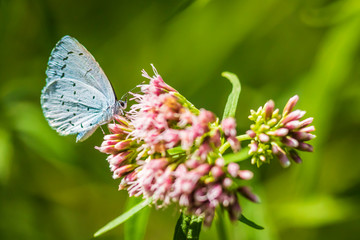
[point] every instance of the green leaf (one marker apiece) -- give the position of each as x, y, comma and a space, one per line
122, 218
188, 227
231, 104
175, 150
6, 155
238, 156
250, 223
135, 227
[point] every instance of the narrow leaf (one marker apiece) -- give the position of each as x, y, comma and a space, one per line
250, 223
188, 227
181, 227
175, 150
194, 228
135, 227
122, 218
238, 156
231, 104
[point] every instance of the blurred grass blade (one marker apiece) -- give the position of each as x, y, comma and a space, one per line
250, 223
122, 218
237, 157
135, 227
188, 227
6, 153
231, 104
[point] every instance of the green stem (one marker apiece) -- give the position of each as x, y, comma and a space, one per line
220, 226
226, 145
188, 104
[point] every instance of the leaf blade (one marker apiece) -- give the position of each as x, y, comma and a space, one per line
187, 227
238, 156
122, 218
135, 227
231, 104
250, 223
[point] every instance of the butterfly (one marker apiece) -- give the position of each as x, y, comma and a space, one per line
78, 97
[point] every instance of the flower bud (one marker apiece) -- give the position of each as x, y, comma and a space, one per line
245, 174
122, 170
290, 105
290, 142
295, 115
247, 193
263, 137
217, 172
305, 147
268, 109
233, 169
229, 127
295, 156
251, 133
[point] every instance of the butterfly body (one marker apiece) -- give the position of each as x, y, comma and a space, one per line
78, 97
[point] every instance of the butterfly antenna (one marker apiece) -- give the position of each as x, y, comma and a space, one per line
126, 94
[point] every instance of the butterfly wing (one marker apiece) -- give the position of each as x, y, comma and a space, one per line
77, 97
69, 59
72, 106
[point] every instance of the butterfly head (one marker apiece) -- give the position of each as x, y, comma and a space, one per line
120, 106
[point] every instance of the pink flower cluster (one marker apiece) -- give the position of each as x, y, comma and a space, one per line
167, 150
163, 119
280, 135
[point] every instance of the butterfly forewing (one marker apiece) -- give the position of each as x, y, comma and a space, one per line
70, 59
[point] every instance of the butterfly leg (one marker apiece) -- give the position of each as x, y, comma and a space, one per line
102, 130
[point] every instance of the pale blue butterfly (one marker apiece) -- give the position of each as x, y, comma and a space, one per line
78, 97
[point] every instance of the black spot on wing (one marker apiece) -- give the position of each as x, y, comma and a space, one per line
70, 52
65, 58
63, 67
74, 92
80, 54
62, 75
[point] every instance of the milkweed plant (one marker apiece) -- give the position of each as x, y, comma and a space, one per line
166, 151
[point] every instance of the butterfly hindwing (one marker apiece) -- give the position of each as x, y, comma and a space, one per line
72, 106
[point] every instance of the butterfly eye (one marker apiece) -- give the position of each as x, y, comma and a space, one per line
123, 104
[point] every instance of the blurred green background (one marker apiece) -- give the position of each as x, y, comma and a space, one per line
53, 188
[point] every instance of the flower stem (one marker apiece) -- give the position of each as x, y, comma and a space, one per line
226, 145
220, 226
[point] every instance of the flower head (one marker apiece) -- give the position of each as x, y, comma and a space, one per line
168, 150
278, 134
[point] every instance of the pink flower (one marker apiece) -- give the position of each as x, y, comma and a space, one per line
229, 127
195, 177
